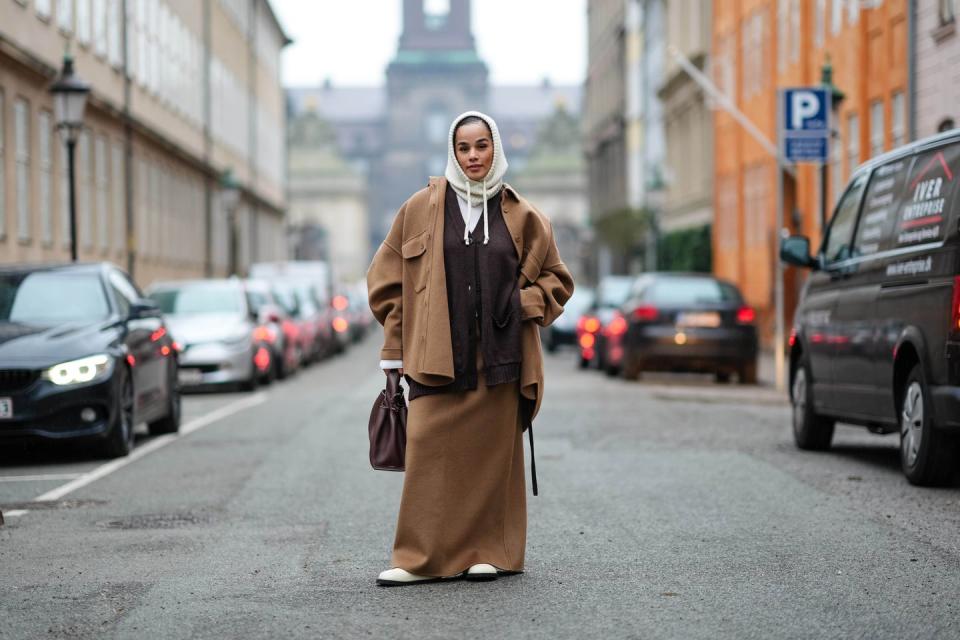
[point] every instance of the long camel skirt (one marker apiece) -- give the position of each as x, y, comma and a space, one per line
464, 499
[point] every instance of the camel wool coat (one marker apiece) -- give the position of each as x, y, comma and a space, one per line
408, 293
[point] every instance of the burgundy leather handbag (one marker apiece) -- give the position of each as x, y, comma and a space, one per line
388, 426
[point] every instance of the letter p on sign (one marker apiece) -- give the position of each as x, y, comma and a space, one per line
804, 105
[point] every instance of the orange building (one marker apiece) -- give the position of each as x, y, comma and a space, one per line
758, 47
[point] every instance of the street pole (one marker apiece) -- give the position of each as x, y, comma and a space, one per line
778, 265
71, 176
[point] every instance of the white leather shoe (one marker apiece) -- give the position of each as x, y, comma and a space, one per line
480, 572
398, 577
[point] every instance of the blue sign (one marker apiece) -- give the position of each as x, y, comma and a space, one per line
805, 135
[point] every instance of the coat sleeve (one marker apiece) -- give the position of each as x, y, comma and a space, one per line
385, 290
542, 300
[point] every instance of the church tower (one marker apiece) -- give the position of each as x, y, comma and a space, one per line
435, 75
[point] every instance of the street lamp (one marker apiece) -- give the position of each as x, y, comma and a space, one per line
836, 97
230, 197
69, 100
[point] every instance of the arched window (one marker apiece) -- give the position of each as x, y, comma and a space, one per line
436, 125
436, 12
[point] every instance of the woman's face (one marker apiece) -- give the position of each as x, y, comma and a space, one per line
473, 145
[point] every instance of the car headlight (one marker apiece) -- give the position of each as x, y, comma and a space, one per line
80, 371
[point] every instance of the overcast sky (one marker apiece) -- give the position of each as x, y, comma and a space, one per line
351, 41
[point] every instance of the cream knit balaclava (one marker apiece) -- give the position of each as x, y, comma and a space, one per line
476, 193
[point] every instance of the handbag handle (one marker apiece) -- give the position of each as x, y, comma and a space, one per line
393, 384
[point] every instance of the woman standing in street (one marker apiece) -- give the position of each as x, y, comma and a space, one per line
463, 278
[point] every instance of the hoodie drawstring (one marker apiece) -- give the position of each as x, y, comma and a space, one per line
466, 224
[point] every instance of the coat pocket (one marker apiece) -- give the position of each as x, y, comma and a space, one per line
506, 306
415, 261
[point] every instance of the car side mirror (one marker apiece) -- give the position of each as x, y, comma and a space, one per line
795, 250
144, 309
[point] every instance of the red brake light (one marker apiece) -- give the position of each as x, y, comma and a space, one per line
617, 326
746, 315
340, 303
591, 324
587, 340
264, 334
955, 309
645, 313
793, 336
340, 324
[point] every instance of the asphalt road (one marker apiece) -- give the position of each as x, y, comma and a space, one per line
669, 508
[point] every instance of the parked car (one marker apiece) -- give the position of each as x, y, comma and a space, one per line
689, 322
83, 355
214, 327
610, 294
270, 330
563, 331
298, 330
876, 334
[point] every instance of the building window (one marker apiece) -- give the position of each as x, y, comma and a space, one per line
21, 154
102, 182
117, 186
782, 31
820, 23
43, 8
898, 126
836, 17
853, 143
114, 17
99, 20
83, 21
65, 15
876, 128
947, 11
436, 13
795, 31
853, 11
45, 128
3, 171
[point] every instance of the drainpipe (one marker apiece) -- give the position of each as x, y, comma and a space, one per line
912, 69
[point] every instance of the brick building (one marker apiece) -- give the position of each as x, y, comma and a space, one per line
760, 45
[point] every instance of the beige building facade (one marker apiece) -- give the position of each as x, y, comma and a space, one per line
687, 122
182, 90
937, 43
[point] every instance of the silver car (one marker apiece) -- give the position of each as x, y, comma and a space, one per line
213, 326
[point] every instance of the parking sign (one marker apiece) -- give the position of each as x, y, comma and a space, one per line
805, 121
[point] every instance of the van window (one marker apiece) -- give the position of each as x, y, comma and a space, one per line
837, 245
930, 196
881, 204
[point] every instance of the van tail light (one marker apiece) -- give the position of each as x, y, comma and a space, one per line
646, 313
746, 315
955, 307
617, 326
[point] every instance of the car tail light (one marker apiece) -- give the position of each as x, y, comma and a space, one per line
955, 308
587, 340
340, 303
645, 313
617, 326
746, 315
340, 324
262, 359
588, 324
158, 334
793, 337
264, 334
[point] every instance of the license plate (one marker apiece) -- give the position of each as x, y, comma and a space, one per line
190, 376
6, 408
699, 319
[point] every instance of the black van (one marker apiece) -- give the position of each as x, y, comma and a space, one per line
876, 335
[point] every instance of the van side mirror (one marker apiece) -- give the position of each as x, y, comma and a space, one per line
795, 250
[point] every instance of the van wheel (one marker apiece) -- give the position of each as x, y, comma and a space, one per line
926, 453
811, 431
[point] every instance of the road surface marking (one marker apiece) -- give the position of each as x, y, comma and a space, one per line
42, 477
150, 447
14, 513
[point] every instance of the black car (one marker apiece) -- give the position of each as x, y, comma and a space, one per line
83, 355
689, 322
876, 336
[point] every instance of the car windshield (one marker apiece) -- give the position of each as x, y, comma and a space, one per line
286, 298
579, 302
678, 292
204, 298
52, 297
613, 292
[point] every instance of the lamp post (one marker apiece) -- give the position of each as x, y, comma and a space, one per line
230, 197
836, 97
69, 100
